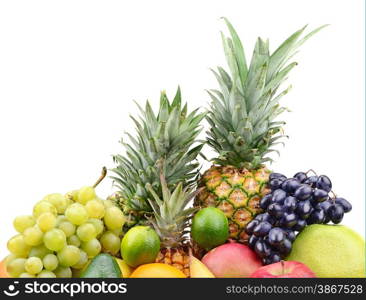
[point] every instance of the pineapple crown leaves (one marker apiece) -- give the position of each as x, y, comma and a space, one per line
242, 114
171, 212
169, 135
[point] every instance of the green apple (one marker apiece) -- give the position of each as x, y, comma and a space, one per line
330, 251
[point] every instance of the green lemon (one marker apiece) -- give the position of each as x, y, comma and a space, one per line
140, 245
210, 228
330, 251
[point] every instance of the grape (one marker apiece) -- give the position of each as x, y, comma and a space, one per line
82, 261
316, 217
290, 185
74, 240
21, 223
86, 232
76, 214
288, 220
262, 249
320, 195
68, 256
335, 213
86, 194
95, 209
290, 203
63, 272
300, 225
265, 217
46, 274
265, 201
92, 247
275, 210
347, 207
57, 200
39, 251
42, 207
324, 183
304, 209
111, 243
33, 265
251, 225
262, 229
50, 262
275, 183
60, 219
301, 176
98, 224
285, 247
26, 275
108, 203
9, 258
33, 236
67, 227
277, 176
303, 192
17, 246
46, 221
114, 218
55, 239
16, 267
276, 236
278, 196
117, 232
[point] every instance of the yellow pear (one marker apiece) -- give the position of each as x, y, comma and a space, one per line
126, 270
199, 270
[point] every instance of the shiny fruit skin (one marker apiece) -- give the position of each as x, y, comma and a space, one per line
157, 270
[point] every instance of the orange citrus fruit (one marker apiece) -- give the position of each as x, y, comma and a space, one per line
3, 273
157, 270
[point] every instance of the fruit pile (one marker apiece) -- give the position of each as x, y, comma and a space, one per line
166, 219
292, 204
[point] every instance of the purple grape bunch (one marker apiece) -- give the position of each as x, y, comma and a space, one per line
292, 204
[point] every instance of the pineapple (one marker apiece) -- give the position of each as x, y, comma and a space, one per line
169, 136
171, 221
243, 130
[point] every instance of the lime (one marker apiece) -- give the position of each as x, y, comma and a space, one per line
210, 228
140, 245
330, 251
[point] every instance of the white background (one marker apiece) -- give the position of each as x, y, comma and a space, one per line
69, 71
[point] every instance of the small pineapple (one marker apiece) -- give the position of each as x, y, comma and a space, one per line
169, 136
171, 220
243, 129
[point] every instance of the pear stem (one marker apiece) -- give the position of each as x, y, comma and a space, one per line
101, 177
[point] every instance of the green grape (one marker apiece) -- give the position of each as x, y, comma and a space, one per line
55, 239
50, 262
76, 214
98, 224
92, 247
16, 267
95, 209
39, 251
46, 274
60, 219
111, 243
86, 232
72, 196
42, 207
46, 221
21, 223
26, 275
33, 265
9, 258
108, 203
118, 231
82, 261
57, 200
114, 218
33, 236
16, 245
63, 272
74, 240
67, 227
86, 194
68, 256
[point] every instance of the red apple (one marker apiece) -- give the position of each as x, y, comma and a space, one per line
232, 260
284, 269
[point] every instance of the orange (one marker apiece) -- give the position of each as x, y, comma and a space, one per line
157, 270
3, 273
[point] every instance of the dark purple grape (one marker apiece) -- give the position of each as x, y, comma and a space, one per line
278, 196
275, 210
304, 209
316, 217
265, 217
300, 225
290, 185
290, 234
303, 192
301, 176
275, 184
250, 226
285, 247
277, 176
262, 229
252, 240
324, 183
320, 195
324, 205
265, 201
273, 258
311, 181
276, 236
347, 207
289, 204
262, 249
288, 220
335, 213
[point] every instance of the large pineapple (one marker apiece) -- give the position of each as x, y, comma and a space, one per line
169, 136
171, 221
243, 130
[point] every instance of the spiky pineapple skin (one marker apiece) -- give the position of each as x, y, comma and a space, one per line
175, 257
236, 192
